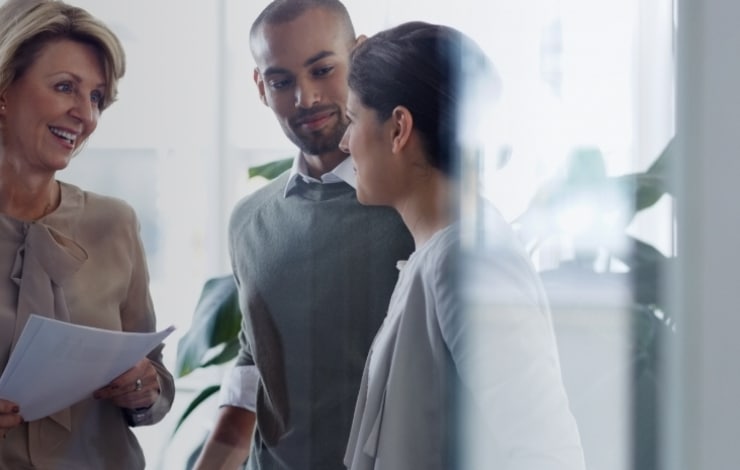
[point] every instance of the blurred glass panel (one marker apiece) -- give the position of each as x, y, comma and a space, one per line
578, 161
587, 102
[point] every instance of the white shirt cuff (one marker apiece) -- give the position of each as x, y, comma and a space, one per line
239, 388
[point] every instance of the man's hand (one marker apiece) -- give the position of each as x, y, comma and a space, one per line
227, 448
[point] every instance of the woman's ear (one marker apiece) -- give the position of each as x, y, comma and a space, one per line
359, 40
403, 124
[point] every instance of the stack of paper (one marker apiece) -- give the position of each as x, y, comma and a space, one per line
56, 364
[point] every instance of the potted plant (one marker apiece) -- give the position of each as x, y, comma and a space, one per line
592, 211
213, 336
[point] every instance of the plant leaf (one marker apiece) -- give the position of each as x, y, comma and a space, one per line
229, 352
272, 169
662, 165
216, 320
202, 396
643, 189
650, 186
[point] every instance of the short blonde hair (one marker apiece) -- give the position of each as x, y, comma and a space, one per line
26, 26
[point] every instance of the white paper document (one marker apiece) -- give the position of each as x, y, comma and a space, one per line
56, 364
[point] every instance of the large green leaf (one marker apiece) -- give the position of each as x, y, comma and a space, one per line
229, 352
216, 322
202, 396
643, 189
648, 187
583, 179
663, 165
272, 169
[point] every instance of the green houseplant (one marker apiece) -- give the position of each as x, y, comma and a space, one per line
604, 207
212, 338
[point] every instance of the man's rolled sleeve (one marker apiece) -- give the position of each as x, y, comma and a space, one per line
239, 388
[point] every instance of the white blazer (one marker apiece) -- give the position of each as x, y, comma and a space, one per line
448, 387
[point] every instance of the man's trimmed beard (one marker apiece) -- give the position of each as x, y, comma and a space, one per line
317, 143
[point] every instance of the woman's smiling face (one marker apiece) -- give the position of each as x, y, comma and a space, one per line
369, 142
53, 107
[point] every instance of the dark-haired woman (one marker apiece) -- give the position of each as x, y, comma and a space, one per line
431, 385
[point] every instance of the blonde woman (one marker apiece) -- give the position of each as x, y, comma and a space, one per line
64, 252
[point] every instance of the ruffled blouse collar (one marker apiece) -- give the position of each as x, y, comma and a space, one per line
46, 258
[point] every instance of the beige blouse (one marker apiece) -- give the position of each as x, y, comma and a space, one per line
82, 263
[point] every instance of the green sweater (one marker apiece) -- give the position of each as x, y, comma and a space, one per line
315, 272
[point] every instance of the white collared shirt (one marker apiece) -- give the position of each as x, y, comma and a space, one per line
344, 172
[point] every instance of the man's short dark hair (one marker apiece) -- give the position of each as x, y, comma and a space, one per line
284, 11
